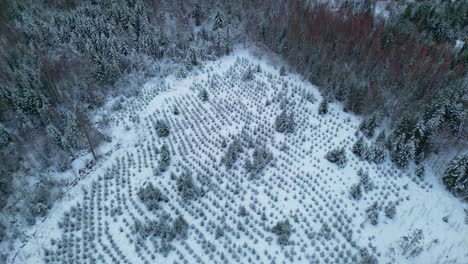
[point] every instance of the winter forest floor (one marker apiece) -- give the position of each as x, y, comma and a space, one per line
297, 209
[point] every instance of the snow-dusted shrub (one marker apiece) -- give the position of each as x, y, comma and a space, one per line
337, 156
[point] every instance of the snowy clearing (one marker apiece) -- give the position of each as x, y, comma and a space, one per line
231, 212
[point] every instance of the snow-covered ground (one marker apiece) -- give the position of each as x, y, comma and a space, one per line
94, 222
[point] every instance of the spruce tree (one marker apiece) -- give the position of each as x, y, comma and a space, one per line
323, 108
456, 176
359, 148
218, 22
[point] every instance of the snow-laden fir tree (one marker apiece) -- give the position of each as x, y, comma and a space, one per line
162, 129
356, 192
284, 123
337, 156
283, 230
203, 95
218, 22
180, 227
165, 158
373, 213
323, 107
368, 126
456, 176
359, 148
390, 210
151, 196
231, 154
186, 187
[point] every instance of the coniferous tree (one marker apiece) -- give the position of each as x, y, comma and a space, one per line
456, 176
204, 95
151, 196
356, 192
162, 129
359, 148
373, 213
186, 187
165, 159
323, 108
284, 123
218, 22
390, 210
180, 227
283, 230
337, 156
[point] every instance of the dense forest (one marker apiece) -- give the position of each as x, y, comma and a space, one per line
405, 72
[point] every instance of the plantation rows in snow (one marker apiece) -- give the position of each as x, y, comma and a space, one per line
175, 186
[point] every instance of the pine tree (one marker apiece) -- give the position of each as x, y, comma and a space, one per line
456, 176
403, 152
373, 213
232, 154
162, 129
197, 14
284, 123
151, 196
390, 210
368, 126
180, 227
356, 192
359, 148
323, 108
283, 229
204, 95
218, 22
186, 187
165, 159
337, 156
191, 59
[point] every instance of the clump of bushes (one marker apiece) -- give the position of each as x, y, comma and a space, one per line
284, 123
283, 230
151, 196
337, 156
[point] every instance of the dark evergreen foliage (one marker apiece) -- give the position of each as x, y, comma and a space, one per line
283, 230
151, 196
337, 156
284, 123
323, 107
162, 129
456, 176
